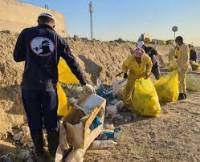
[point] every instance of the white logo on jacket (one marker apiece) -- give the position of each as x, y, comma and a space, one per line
42, 46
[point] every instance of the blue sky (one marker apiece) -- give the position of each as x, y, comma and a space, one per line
128, 18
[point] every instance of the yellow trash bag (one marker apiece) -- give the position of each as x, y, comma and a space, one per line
65, 74
167, 87
64, 108
195, 66
145, 100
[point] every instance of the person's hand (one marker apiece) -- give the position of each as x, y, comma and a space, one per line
90, 88
125, 75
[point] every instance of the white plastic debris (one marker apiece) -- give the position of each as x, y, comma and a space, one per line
78, 89
102, 144
73, 101
91, 102
109, 126
112, 110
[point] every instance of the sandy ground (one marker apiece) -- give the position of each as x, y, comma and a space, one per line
174, 137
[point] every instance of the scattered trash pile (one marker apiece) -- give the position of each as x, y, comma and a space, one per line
80, 127
20, 137
91, 126
84, 128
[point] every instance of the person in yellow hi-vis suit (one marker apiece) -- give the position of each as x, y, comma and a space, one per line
182, 55
136, 66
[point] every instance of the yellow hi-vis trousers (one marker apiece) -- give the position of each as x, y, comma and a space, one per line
182, 74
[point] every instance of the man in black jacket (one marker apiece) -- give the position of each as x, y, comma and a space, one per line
41, 47
152, 54
193, 54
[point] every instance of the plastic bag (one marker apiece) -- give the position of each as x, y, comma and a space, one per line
63, 107
167, 87
65, 74
67, 77
145, 100
195, 66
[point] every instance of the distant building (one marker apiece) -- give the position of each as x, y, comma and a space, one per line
14, 16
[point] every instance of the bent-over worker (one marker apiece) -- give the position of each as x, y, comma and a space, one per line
136, 66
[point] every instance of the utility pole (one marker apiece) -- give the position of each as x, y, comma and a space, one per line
174, 29
46, 6
91, 19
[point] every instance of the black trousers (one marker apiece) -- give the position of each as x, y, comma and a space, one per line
156, 71
41, 109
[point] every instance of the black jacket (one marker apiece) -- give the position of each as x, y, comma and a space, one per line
150, 51
41, 48
193, 55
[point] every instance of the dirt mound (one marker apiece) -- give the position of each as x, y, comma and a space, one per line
10, 72
101, 60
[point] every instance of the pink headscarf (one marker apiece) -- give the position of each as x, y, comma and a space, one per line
139, 52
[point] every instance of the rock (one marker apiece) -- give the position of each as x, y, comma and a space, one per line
29, 160
17, 137
119, 117
24, 154
128, 118
114, 102
26, 130
26, 135
30, 144
76, 155
5, 158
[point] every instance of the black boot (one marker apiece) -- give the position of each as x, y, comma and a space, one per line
39, 145
185, 95
53, 141
181, 96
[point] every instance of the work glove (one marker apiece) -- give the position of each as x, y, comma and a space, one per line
89, 88
125, 75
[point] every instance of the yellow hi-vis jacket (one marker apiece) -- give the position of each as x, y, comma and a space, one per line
135, 69
182, 54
